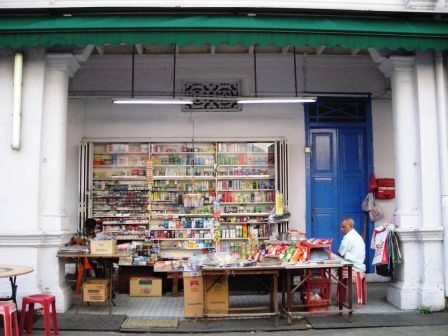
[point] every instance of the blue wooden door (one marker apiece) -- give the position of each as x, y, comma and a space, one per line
338, 170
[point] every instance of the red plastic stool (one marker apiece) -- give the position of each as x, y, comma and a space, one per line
45, 301
361, 286
9, 310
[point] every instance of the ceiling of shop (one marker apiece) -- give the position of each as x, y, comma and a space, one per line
141, 49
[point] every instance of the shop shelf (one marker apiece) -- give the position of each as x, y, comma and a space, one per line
183, 165
264, 153
245, 177
243, 190
156, 238
239, 223
120, 153
116, 166
124, 178
230, 203
254, 214
162, 229
182, 153
246, 165
184, 177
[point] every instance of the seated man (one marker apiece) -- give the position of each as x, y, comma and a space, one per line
352, 247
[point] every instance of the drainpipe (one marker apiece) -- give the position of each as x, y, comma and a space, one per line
17, 101
443, 152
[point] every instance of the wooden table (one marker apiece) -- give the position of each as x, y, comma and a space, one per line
271, 271
12, 272
108, 260
306, 270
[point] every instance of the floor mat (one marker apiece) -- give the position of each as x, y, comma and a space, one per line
377, 320
144, 324
85, 322
234, 325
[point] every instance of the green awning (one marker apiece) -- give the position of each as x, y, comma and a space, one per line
47, 31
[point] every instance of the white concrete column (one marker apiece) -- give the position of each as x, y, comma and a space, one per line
52, 191
403, 292
54, 138
431, 291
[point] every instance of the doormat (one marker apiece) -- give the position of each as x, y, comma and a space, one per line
377, 320
148, 324
89, 322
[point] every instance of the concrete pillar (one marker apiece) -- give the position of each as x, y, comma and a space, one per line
54, 141
403, 292
431, 291
53, 220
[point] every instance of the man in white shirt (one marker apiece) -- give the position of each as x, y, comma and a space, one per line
352, 247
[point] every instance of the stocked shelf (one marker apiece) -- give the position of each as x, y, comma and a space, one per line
124, 178
245, 177
184, 177
245, 214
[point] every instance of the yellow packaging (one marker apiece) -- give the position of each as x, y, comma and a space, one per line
279, 203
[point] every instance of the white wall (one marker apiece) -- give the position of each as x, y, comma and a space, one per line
383, 149
396, 5
104, 119
107, 74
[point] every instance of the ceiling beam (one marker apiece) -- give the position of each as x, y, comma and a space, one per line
285, 50
376, 55
100, 50
320, 50
139, 48
85, 54
354, 51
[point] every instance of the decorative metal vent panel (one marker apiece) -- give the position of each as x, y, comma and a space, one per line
338, 110
221, 88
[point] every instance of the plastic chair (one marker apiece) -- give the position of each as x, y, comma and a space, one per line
9, 311
361, 286
45, 301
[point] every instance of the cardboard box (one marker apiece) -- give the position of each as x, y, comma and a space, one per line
193, 294
103, 246
218, 295
145, 286
95, 290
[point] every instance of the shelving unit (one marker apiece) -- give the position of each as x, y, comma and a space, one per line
119, 192
158, 191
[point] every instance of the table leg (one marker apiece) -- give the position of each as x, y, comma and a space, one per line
289, 295
275, 298
284, 289
340, 291
175, 289
350, 293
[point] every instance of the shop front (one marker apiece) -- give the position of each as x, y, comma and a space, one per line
378, 94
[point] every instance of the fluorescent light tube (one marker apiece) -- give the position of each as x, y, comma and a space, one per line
17, 101
276, 100
153, 101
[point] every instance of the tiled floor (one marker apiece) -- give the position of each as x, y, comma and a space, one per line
168, 306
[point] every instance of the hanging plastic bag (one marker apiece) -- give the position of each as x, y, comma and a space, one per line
368, 202
380, 245
376, 212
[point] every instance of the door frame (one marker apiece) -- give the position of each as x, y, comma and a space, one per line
369, 156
